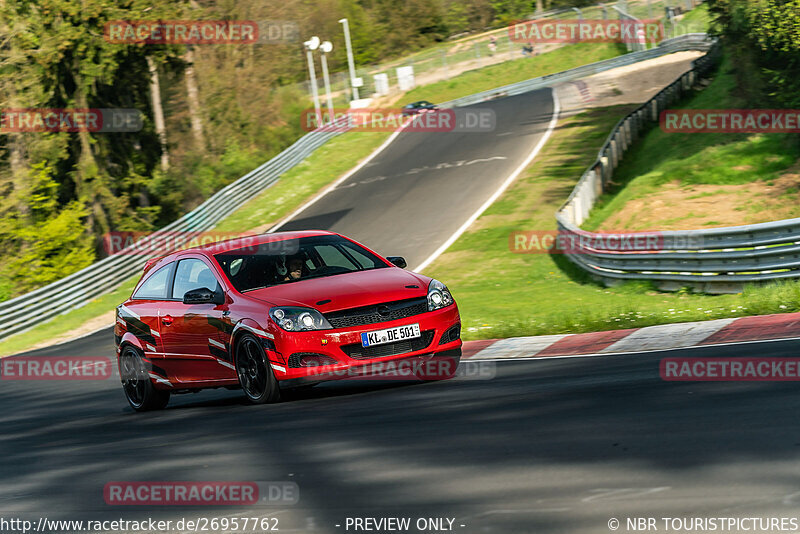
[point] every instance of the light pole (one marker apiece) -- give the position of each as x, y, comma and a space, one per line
311, 45
350, 62
325, 48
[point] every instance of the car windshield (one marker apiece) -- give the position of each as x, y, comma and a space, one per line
294, 260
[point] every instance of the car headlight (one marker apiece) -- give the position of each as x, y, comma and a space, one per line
298, 319
438, 296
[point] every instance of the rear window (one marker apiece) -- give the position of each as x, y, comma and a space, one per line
295, 260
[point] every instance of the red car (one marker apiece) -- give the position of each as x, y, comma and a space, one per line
280, 310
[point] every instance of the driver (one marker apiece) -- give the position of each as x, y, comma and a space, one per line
294, 267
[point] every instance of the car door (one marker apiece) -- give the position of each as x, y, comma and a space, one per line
139, 315
194, 345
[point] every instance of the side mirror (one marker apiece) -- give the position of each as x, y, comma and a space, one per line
203, 295
399, 261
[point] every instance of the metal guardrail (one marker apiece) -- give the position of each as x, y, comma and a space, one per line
717, 260
76, 290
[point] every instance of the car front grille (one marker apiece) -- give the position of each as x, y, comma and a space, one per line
356, 351
377, 313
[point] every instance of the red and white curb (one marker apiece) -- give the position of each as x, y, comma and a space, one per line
650, 338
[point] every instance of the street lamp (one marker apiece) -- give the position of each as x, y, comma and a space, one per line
350, 62
325, 48
311, 45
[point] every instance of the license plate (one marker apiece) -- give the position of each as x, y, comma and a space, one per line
390, 335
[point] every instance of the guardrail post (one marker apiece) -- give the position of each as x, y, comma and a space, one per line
628, 134
605, 171
614, 155
586, 203
636, 121
597, 181
605, 161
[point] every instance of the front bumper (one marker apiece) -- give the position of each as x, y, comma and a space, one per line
341, 346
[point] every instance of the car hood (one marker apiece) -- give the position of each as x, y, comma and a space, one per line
350, 290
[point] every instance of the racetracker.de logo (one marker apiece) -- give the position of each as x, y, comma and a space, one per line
462, 120
730, 120
555, 242
200, 493
181, 31
146, 244
730, 369
106, 120
55, 368
586, 31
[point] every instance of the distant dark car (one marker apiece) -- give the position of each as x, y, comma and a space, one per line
423, 106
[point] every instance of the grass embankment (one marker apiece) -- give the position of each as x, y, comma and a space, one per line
475, 81
695, 21
502, 294
678, 181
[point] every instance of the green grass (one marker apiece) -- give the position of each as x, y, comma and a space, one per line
502, 293
64, 324
698, 18
661, 158
487, 78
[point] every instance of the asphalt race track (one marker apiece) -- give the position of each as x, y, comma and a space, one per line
560, 445
419, 190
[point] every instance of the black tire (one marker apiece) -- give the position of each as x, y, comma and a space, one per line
254, 372
136, 383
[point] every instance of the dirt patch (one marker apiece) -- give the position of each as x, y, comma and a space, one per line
632, 84
691, 207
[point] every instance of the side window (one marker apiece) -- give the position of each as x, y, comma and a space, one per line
192, 274
333, 257
360, 256
155, 287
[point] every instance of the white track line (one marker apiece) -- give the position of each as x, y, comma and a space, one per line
508, 181
344, 177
